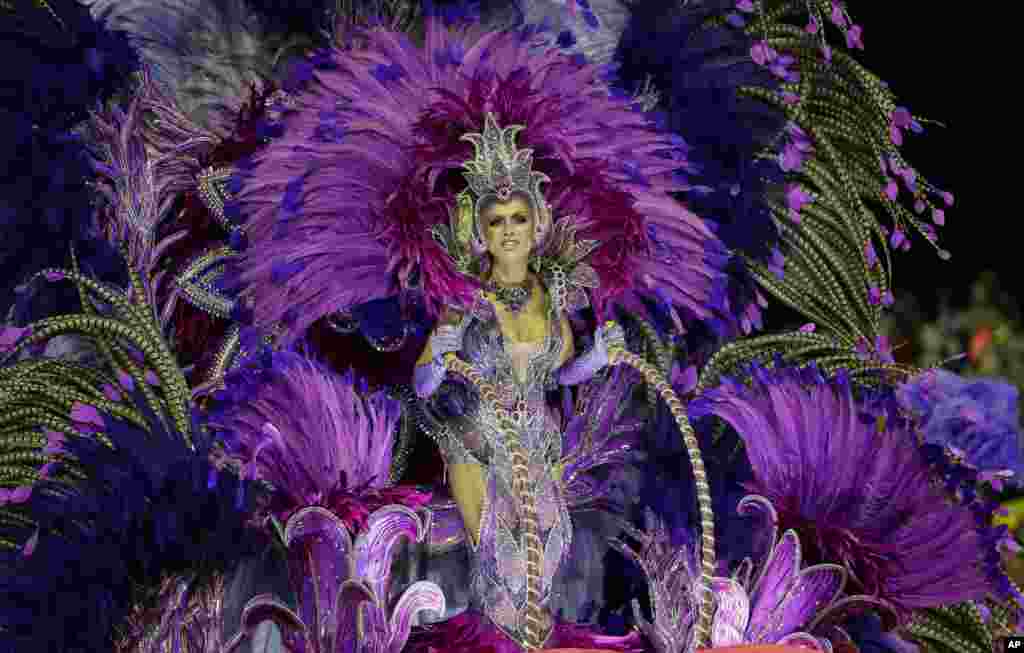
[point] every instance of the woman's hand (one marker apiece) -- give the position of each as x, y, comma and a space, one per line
606, 340
607, 337
446, 339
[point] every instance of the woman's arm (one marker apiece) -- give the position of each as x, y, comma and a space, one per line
568, 344
430, 371
587, 364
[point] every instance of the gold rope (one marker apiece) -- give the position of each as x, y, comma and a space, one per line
654, 378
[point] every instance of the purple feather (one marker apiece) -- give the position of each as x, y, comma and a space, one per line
858, 496
310, 433
978, 417
141, 187
698, 66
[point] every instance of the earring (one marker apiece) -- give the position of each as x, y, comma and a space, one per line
542, 221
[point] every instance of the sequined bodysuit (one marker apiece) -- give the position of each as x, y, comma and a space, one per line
497, 557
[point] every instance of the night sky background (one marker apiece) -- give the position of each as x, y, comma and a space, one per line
944, 60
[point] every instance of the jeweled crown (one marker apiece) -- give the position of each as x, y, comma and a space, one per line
499, 169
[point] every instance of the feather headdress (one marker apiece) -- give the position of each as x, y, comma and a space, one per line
341, 208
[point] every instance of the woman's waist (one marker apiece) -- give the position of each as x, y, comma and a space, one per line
533, 423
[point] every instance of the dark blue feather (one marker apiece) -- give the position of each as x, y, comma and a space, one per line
57, 67
698, 70
149, 507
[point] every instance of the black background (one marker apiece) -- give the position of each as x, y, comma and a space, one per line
951, 62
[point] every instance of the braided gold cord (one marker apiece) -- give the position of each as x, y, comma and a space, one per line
534, 613
702, 629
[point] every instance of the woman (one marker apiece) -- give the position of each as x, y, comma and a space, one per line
518, 338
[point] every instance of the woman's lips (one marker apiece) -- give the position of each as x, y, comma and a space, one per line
510, 244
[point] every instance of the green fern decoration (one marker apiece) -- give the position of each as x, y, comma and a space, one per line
959, 628
838, 269
38, 395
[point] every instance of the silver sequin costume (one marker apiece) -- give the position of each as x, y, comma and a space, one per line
497, 560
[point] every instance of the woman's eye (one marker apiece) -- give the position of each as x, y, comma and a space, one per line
520, 219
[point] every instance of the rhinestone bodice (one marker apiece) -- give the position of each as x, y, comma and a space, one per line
498, 560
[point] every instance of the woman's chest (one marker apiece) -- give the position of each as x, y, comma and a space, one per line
527, 325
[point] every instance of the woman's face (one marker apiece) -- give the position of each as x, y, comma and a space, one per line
508, 229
